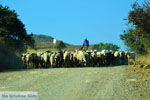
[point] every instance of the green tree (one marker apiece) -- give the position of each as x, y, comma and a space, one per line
137, 38
133, 42
106, 46
13, 34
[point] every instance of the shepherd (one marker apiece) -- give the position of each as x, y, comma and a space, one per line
85, 44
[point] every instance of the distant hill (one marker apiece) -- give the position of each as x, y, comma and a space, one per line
42, 38
45, 41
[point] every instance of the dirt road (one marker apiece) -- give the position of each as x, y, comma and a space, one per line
104, 83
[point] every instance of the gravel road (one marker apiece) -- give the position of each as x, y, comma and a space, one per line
104, 83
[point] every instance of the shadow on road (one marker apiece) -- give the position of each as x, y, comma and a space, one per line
24, 69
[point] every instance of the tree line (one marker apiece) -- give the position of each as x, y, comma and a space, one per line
106, 46
13, 33
137, 36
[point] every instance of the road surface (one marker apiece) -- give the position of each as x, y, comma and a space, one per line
104, 83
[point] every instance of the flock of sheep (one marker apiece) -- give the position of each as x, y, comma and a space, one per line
77, 58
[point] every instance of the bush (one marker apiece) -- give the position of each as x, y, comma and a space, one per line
106, 46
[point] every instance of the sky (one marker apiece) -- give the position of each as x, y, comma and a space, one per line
74, 20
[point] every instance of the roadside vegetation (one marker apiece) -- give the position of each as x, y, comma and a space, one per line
144, 59
13, 38
137, 36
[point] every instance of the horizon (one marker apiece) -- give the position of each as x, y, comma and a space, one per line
72, 21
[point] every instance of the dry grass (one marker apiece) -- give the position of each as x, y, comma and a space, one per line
41, 50
144, 59
69, 48
35, 51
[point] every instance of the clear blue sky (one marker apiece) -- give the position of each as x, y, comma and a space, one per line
73, 20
